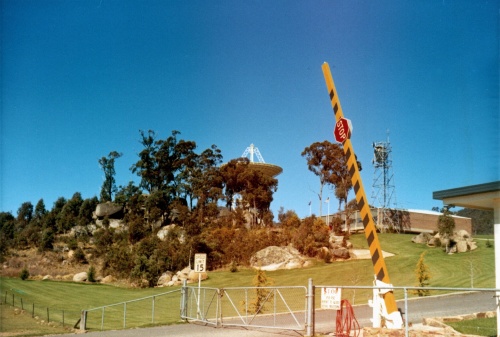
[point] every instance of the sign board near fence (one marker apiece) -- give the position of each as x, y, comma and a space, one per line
200, 263
330, 298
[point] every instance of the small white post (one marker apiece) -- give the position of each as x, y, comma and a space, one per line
310, 308
376, 308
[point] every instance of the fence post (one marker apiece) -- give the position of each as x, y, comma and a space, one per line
48, 317
220, 293
124, 315
184, 299
153, 312
83, 320
310, 309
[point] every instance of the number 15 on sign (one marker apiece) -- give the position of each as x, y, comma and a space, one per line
200, 263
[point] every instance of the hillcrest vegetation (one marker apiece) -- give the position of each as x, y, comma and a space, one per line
187, 202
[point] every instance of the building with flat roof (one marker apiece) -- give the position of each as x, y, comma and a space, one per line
410, 221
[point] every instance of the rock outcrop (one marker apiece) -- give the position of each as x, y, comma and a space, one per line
163, 233
108, 279
169, 279
421, 238
339, 247
459, 242
110, 210
274, 258
80, 277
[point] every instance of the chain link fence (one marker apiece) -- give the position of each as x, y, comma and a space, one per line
152, 310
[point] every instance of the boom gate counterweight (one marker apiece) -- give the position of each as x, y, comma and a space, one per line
378, 262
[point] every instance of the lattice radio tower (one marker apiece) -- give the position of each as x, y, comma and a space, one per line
383, 189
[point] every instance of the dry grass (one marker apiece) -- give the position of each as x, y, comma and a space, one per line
14, 322
59, 265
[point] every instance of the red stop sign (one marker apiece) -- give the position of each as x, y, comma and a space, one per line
342, 130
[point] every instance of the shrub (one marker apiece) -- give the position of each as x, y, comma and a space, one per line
438, 242
91, 274
145, 269
119, 261
423, 276
72, 244
234, 267
25, 274
79, 256
262, 296
47, 241
103, 240
325, 255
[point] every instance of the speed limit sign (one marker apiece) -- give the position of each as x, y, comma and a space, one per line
200, 263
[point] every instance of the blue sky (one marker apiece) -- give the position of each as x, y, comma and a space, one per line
81, 78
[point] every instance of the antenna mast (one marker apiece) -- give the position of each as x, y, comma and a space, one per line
383, 189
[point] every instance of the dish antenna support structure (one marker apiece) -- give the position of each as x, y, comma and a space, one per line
251, 151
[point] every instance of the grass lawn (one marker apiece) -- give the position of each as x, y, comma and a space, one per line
67, 300
479, 327
459, 270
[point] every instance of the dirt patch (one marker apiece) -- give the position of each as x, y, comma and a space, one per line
365, 254
58, 265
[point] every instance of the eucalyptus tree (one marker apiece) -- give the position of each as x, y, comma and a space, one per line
109, 184
68, 217
85, 213
147, 165
165, 167
124, 193
255, 188
328, 162
24, 214
40, 210
205, 180
7, 228
258, 192
163, 164
231, 172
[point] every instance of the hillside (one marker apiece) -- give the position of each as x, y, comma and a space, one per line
457, 270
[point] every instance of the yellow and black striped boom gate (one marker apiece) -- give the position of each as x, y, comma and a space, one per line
379, 266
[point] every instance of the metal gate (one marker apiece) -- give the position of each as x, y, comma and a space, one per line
263, 307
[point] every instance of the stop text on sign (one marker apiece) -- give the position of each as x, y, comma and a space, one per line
343, 129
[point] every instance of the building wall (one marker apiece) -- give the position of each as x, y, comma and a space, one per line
417, 221
426, 222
